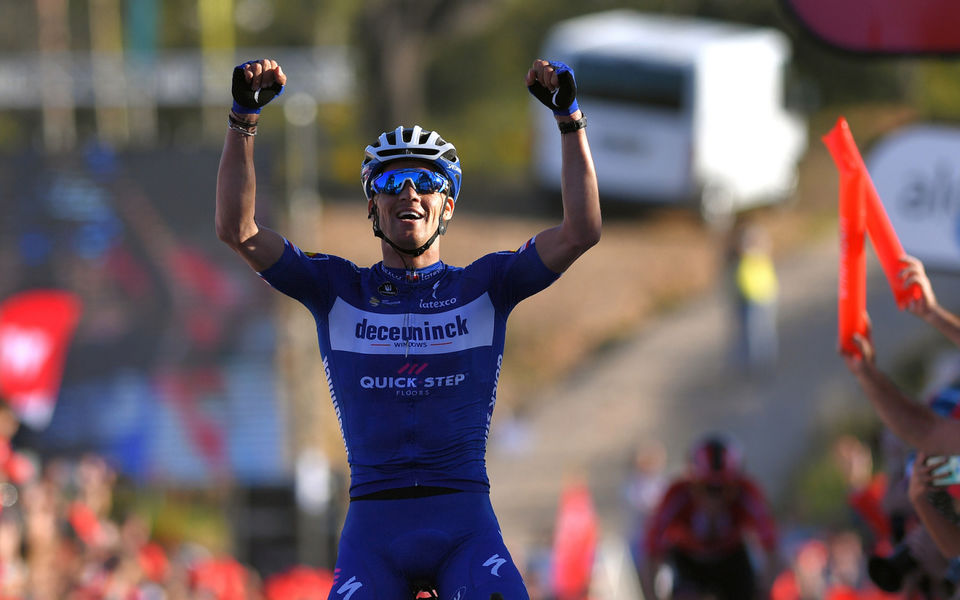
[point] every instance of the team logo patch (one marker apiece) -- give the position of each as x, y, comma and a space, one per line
387, 289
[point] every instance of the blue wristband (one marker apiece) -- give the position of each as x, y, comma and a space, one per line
243, 110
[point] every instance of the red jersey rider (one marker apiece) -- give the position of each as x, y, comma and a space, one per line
701, 526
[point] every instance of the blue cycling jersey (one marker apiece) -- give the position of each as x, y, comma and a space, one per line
412, 358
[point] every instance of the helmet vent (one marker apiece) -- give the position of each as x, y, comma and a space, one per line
405, 151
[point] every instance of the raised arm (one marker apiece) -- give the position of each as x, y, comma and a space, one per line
911, 421
553, 84
927, 307
254, 84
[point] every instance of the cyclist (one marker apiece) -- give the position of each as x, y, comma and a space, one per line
701, 525
411, 346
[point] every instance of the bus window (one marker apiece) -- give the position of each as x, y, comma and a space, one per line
631, 81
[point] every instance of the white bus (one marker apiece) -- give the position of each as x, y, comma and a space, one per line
680, 111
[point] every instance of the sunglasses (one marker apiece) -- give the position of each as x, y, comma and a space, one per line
424, 181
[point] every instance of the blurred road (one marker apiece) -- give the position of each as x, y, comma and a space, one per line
672, 381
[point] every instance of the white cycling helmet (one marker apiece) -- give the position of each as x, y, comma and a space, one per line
411, 142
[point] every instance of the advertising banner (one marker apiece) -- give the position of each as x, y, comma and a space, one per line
882, 26
916, 171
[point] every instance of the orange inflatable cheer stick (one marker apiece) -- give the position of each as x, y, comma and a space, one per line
882, 235
852, 282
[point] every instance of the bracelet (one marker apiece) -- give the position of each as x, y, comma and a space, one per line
571, 126
244, 128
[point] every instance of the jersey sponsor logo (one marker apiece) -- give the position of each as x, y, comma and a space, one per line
412, 368
355, 330
495, 562
427, 331
370, 382
388, 289
493, 397
410, 385
374, 301
438, 303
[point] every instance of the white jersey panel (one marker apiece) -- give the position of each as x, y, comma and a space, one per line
463, 328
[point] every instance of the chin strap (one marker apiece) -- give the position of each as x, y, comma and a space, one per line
377, 232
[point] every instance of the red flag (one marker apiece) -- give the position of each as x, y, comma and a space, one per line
35, 332
574, 545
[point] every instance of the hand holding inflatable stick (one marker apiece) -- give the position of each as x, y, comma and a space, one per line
860, 208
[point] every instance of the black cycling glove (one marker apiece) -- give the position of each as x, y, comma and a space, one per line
246, 100
563, 100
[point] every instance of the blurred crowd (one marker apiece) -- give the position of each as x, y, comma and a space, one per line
62, 539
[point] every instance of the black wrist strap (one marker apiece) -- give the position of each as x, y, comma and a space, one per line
571, 126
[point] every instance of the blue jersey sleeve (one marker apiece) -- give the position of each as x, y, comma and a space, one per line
517, 275
306, 276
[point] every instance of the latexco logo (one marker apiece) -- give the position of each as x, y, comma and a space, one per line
438, 303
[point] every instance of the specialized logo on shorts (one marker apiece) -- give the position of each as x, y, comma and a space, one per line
495, 562
463, 328
349, 586
460, 595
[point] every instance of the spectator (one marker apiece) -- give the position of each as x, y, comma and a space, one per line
755, 289
943, 527
867, 490
926, 306
915, 423
642, 491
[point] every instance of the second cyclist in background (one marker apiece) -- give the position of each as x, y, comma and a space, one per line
701, 528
